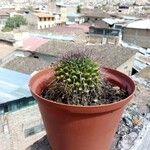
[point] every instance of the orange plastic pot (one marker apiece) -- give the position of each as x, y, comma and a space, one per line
72, 127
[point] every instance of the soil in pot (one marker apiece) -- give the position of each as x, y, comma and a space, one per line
107, 93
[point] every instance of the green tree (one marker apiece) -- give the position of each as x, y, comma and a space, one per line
6, 29
78, 9
14, 22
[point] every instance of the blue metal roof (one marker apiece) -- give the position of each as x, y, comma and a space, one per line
13, 85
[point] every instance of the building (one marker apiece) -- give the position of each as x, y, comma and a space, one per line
5, 13
137, 33
94, 16
118, 22
35, 61
3, 18
75, 18
40, 20
20, 120
104, 31
6, 46
5, 50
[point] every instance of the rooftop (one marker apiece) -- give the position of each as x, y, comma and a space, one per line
94, 13
74, 15
143, 77
3, 13
106, 55
30, 64
13, 85
9, 37
140, 24
145, 73
43, 15
6, 12
5, 49
65, 30
109, 55
32, 43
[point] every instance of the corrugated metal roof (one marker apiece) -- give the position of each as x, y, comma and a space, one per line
112, 21
141, 61
13, 85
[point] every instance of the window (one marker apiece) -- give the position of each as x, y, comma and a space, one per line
36, 56
44, 19
33, 130
40, 19
16, 105
1, 110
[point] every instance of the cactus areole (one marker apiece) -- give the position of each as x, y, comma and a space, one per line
78, 75
81, 106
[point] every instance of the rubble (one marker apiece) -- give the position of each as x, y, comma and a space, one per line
130, 127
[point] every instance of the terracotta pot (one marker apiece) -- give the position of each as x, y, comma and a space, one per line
72, 127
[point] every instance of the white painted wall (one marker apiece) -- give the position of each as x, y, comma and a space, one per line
46, 24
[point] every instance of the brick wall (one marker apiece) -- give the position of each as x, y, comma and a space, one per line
13, 126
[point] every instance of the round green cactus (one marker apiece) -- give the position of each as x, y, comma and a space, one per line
79, 81
79, 75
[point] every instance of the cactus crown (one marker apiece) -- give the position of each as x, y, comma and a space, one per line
79, 75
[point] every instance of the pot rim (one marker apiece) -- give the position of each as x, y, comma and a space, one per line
104, 107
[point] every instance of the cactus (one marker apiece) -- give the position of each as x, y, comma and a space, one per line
78, 81
79, 75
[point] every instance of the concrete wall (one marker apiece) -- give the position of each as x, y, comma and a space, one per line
99, 39
13, 126
138, 37
32, 21
127, 66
